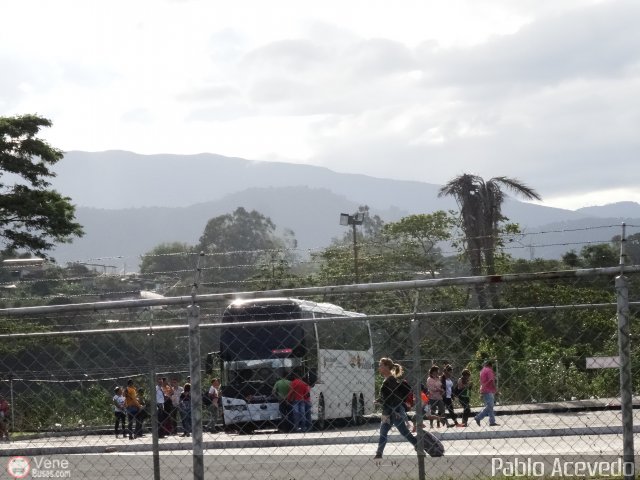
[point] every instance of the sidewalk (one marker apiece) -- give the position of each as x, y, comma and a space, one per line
535, 423
592, 405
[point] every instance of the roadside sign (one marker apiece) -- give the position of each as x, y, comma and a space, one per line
603, 362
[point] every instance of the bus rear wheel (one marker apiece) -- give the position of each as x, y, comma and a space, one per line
321, 422
361, 419
354, 411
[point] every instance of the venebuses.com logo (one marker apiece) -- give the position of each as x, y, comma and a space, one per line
18, 467
21, 467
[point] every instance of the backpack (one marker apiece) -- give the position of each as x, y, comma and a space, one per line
410, 401
404, 391
400, 391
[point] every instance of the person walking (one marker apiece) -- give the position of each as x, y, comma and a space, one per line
447, 385
392, 396
436, 404
464, 393
487, 391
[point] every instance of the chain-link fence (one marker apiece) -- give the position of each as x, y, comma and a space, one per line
289, 384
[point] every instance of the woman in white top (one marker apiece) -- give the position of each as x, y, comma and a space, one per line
447, 384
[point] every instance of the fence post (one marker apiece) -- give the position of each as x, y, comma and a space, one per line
624, 347
417, 380
155, 447
196, 391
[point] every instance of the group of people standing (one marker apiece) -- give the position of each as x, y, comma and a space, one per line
294, 397
129, 404
443, 389
172, 401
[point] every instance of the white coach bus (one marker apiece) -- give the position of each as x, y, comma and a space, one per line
335, 357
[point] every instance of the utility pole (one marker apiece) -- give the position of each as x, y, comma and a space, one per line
353, 220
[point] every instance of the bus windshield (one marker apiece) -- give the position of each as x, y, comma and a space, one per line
263, 342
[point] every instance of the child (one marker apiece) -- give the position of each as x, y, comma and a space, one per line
119, 411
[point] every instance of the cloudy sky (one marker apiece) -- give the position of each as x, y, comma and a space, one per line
547, 91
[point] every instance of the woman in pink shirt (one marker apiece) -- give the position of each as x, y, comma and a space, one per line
436, 404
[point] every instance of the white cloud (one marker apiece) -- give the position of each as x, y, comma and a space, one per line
542, 90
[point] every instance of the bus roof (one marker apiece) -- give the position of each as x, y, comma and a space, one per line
304, 305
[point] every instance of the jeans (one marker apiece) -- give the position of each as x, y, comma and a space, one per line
466, 408
134, 414
448, 403
214, 410
285, 416
162, 421
301, 415
120, 419
185, 416
488, 399
398, 418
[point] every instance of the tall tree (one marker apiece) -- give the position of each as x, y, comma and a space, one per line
33, 216
235, 243
172, 264
415, 239
480, 204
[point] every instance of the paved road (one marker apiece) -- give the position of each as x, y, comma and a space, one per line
346, 452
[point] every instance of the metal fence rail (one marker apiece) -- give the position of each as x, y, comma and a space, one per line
62, 363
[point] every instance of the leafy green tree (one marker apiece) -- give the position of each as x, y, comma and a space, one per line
33, 216
571, 259
480, 204
632, 247
172, 264
600, 255
542, 354
235, 243
414, 240
593, 256
403, 250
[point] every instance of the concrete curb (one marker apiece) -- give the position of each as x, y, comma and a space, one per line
448, 435
313, 441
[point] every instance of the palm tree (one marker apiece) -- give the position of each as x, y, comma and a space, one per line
480, 204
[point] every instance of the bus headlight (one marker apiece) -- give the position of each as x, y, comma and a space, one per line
236, 408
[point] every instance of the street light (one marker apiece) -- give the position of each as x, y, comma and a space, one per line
353, 220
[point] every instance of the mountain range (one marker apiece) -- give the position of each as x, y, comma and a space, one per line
129, 203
